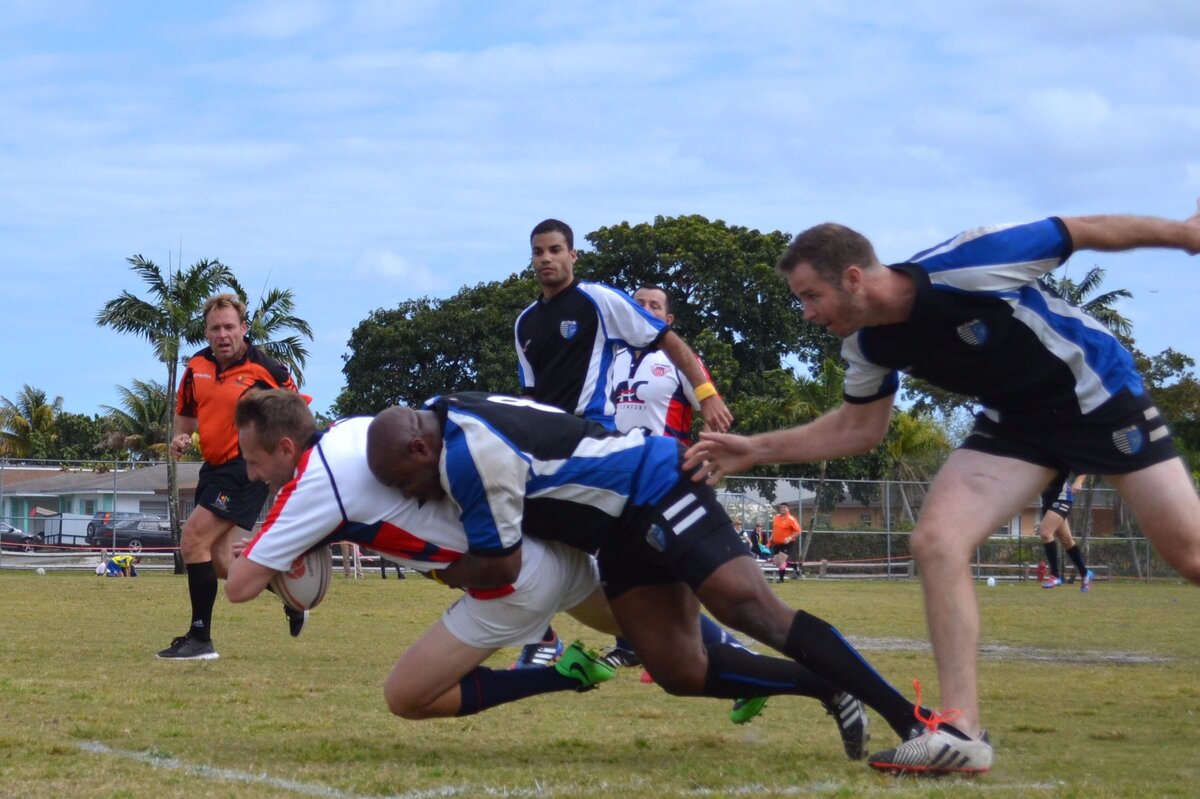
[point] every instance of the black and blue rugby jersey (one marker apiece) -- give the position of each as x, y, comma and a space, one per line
513, 465
565, 346
983, 325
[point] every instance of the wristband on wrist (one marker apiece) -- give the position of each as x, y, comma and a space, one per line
436, 576
705, 390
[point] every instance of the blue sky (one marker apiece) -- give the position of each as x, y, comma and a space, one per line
363, 153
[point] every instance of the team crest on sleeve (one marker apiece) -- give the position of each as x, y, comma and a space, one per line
974, 332
568, 328
1129, 440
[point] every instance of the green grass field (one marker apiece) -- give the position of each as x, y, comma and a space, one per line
1084, 695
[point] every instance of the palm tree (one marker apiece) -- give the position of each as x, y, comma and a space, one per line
914, 447
269, 320
140, 424
167, 320
1102, 306
27, 426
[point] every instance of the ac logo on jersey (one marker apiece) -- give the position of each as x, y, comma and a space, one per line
627, 393
568, 328
1129, 440
974, 332
660, 371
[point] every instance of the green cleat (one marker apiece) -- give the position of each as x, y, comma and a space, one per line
584, 665
746, 709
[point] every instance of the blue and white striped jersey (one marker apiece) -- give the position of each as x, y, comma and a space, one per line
983, 325
565, 346
514, 466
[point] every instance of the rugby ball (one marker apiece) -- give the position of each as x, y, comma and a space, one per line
303, 586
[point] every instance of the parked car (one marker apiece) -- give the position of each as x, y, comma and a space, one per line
16, 538
135, 535
102, 521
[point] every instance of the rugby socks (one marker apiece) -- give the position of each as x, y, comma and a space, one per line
711, 633
202, 588
816, 644
737, 673
1052, 558
1077, 558
484, 688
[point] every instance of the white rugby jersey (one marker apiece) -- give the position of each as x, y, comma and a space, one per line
335, 497
565, 346
984, 326
650, 392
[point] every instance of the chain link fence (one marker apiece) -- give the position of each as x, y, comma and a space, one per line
851, 528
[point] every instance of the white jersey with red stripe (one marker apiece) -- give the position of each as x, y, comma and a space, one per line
335, 497
650, 392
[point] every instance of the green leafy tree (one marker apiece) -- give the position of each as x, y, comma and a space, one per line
721, 279
140, 424
1176, 391
82, 438
168, 320
426, 347
27, 425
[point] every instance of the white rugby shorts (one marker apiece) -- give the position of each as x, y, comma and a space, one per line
554, 577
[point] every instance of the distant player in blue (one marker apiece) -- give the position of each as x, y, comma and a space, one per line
514, 468
1055, 527
1058, 390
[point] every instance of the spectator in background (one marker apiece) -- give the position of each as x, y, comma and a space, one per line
351, 561
758, 539
123, 565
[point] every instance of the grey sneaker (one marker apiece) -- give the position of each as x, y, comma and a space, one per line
851, 718
187, 648
936, 751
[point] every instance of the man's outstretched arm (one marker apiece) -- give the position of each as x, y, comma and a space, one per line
1119, 232
849, 429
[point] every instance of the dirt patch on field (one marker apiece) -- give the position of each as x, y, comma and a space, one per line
1002, 652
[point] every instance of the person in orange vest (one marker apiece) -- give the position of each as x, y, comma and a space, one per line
785, 539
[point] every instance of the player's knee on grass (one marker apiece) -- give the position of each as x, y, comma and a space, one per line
403, 704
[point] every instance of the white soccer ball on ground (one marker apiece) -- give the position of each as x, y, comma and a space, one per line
41, 572
303, 586
991, 582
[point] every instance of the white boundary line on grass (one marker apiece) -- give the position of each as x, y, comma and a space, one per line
233, 775
539, 790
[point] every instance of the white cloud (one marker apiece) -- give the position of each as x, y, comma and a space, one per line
274, 19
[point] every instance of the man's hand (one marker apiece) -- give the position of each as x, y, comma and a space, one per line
717, 417
1193, 225
179, 445
718, 455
